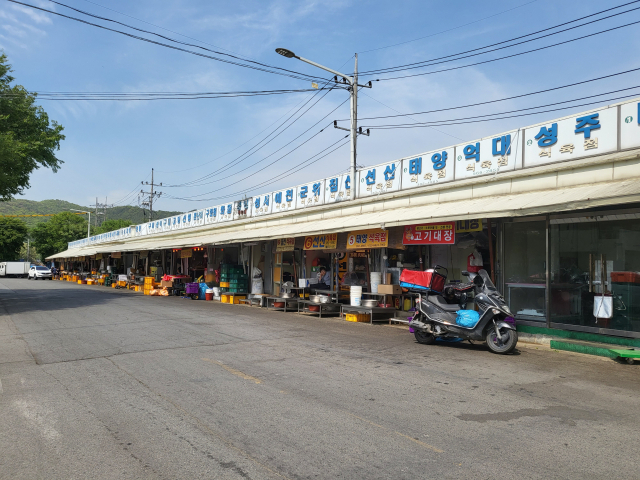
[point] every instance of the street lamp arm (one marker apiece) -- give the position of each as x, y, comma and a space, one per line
346, 77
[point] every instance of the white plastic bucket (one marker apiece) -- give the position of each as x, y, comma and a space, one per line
355, 295
215, 291
376, 279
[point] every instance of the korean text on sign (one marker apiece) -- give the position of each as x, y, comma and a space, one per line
368, 239
430, 234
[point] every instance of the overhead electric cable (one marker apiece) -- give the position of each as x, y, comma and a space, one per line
268, 69
255, 148
426, 63
574, 84
514, 111
450, 29
413, 125
512, 55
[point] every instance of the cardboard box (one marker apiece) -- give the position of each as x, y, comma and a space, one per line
166, 283
390, 289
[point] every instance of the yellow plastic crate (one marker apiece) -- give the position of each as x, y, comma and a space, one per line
357, 317
232, 299
149, 280
224, 284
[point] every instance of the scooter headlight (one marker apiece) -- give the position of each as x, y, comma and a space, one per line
495, 311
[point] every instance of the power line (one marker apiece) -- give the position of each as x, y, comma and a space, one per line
171, 39
505, 98
450, 29
162, 28
413, 125
518, 110
255, 148
272, 180
126, 97
267, 69
421, 64
512, 55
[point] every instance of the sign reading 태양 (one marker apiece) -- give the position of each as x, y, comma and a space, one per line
430, 234
321, 242
285, 244
376, 238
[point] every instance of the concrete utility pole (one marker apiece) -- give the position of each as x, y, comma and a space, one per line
353, 89
148, 201
88, 222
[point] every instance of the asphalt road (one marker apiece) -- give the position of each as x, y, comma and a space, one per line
106, 384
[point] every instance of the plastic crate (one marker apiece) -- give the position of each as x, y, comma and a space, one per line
357, 317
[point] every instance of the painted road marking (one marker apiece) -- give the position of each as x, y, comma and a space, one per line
425, 445
235, 372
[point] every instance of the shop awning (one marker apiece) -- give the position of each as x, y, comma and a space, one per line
419, 208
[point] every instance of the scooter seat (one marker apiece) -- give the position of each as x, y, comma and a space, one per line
442, 303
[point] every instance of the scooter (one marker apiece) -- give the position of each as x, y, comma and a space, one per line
435, 317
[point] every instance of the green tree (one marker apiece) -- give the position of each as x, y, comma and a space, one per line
29, 256
13, 231
27, 139
52, 236
111, 225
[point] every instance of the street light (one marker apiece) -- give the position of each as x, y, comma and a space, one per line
88, 223
353, 88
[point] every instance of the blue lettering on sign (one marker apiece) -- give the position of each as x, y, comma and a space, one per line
472, 151
333, 185
439, 160
184, 218
256, 202
278, 197
303, 191
316, 189
547, 136
290, 195
347, 182
371, 177
390, 172
189, 218
266, 200
415, 166
229, 209
586, 124
505, 145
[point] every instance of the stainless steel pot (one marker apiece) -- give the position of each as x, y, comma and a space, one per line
287, 295
319, 299
368, 302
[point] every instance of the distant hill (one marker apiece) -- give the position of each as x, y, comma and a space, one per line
30, 207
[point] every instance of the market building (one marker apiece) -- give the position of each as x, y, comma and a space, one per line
551, 210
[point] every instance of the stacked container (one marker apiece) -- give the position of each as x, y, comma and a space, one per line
233, 279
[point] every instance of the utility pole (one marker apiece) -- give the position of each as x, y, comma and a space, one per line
148, 200
98, 213
353, 89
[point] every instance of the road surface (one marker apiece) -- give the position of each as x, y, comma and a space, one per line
106, 384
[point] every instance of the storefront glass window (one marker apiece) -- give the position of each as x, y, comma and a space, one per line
525, 270
589, 258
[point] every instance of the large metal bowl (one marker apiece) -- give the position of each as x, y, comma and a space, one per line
368, 302
287, 295
319, 298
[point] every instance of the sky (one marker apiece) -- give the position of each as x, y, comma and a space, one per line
208, 150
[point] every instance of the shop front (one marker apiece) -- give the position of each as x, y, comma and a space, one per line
575, 272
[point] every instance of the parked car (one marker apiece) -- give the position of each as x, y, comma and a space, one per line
37, 272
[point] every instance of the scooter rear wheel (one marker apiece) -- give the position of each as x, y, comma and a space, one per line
505, 345
424, 337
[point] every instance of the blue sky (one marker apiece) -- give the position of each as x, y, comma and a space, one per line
111, 146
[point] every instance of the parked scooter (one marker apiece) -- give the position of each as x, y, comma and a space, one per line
435, 317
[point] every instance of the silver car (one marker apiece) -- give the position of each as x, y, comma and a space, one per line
37, 272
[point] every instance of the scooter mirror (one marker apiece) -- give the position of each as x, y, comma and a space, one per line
464, 273
477, 281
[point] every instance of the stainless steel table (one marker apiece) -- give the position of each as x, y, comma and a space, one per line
288, 302
324, 307
368, 311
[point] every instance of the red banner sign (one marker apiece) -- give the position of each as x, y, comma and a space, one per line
430, 234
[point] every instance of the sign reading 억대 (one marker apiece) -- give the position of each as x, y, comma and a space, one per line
430, 234
375, 238
321, 242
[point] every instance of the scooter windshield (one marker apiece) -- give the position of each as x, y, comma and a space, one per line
488, 284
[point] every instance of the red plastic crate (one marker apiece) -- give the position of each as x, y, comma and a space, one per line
428, 279
625, 277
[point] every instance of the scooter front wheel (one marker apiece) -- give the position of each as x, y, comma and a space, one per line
424, 337
506, 344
